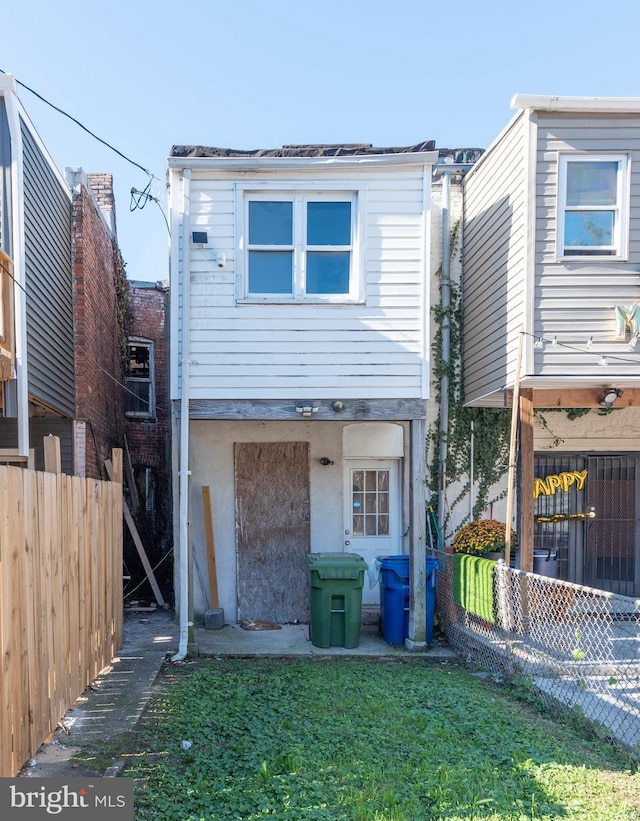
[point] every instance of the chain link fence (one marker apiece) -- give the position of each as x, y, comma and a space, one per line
574, 646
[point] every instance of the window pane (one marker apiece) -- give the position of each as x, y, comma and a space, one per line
136, 397
588, 229
329, 223
270, 223
270, 272
371, 525
138, 364
328, 272
592, 183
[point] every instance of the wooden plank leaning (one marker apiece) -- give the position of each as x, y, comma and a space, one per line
138, 543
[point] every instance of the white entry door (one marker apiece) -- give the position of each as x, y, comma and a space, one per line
372, 521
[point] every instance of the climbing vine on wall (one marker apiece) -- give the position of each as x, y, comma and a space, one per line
491, 426
122, 301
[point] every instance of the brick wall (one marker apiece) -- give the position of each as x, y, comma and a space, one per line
147, 308
149, 439
98, 276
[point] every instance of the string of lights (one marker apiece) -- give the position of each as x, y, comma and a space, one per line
541, 341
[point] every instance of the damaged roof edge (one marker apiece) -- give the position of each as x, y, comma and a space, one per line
307, 156
299, 151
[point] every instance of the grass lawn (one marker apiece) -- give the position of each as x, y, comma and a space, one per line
364, 740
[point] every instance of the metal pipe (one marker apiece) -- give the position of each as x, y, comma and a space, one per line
183, 470
445, 331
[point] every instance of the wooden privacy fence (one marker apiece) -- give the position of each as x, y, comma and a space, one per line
60, 599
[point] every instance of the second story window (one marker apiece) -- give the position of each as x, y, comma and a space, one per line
139, 380
300, 247
592, 213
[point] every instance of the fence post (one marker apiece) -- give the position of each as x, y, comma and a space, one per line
116, 465
52, 459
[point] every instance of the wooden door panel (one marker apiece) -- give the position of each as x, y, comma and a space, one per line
272, 527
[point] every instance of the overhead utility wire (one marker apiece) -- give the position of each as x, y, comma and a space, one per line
95, 362
84, 128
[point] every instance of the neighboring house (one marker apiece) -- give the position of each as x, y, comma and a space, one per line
300, 366
147, 420
551, 272
57, 237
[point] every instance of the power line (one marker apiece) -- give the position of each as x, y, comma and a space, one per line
84, 128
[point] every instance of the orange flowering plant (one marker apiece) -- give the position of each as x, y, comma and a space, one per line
482, 536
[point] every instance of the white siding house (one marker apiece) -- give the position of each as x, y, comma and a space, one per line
300, 365
552, 272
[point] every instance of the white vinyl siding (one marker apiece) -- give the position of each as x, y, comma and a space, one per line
372, 349
494, 265
588, 288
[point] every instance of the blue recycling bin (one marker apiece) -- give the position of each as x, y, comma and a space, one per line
394, 597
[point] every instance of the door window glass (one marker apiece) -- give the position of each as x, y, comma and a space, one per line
370, 502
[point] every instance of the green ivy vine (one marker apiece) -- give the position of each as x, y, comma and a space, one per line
491, 426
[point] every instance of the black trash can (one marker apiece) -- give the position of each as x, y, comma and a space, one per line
545, 563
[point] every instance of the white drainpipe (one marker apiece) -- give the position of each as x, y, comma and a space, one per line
184, 472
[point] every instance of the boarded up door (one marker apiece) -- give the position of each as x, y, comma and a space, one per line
272, 525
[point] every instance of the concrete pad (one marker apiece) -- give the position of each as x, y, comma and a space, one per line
293, 639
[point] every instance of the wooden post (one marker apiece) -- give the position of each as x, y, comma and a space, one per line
52, 459
136, 536
116, 465
131, 479
211, 547
515, 409
525, 481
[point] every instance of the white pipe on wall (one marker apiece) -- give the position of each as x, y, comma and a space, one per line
183, 470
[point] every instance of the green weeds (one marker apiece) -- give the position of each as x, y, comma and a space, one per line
358, 740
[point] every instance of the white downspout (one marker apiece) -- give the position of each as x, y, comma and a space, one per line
183, 470
19, 272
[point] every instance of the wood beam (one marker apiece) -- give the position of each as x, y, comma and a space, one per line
577, 397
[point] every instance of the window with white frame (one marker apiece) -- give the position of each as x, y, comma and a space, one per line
300, 246
139, 379
592, 205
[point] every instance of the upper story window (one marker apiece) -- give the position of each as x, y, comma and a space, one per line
592, 212
140, 401
300, 247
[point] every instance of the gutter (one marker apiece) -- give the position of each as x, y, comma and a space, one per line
301, 163
183, 469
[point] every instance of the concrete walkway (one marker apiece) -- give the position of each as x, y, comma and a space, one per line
114, 702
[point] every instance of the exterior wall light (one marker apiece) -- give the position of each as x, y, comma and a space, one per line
609, 396
306, 410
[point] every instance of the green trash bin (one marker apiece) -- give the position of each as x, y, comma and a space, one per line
336, 586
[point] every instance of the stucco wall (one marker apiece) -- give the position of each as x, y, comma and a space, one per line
212, 463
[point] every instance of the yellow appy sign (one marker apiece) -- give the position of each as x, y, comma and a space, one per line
550, 484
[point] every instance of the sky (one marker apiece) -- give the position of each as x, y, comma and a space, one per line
144, 75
